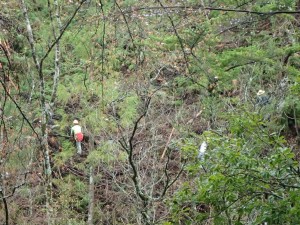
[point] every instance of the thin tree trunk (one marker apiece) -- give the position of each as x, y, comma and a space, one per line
57, 53
298, 8
91, 197
166, 146
32, 90
44, 132
44, 143
102, 54
5, 208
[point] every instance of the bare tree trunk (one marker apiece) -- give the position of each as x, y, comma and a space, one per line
57, 53
143, 189
39, 66
102, 54
32, 90
298, 8
44, 143
5, 208
91, 197
2, 195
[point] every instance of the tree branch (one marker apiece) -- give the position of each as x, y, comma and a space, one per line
169, 183
102, 53
130, 154
61, 33
20, 110
6, 55
5, 207
200, 7
177, 35
57, 49
126, 22
236, 66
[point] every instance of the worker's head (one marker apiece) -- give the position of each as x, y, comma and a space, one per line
260, 92
75, 122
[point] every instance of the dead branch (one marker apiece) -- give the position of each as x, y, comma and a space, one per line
201, 8
166, 146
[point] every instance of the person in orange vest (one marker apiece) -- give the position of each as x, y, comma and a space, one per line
78, 135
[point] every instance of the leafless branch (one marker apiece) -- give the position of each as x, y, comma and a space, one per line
236, 66
6, 54
170, 182
126, 22
200, 7
20, 110
15, 188
102, 52
57, 47
61, 34
177, 35
166, 146
5, 197
130, 153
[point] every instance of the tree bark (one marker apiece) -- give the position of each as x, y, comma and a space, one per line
57, 53
91, 196
5, 208
44, 143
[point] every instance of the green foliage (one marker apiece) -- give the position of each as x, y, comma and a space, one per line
67, 152
168, 42
296, 86
249, 174
72, 197
63, 94
291, 107
238, 176
127, 3
189, 149
117, 58
128, 110
107, 153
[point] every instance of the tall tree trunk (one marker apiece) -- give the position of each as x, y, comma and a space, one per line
44, 143
57, 52
91, 196
91, 147
5, 208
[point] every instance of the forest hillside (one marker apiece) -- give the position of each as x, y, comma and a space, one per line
189, 109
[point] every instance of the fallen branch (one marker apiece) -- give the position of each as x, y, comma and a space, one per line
166, 146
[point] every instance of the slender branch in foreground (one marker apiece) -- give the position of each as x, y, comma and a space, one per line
102, 53
61, 33
20, 110
200, 7
177, 35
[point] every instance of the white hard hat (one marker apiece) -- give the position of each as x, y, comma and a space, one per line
75, 122
260, 92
